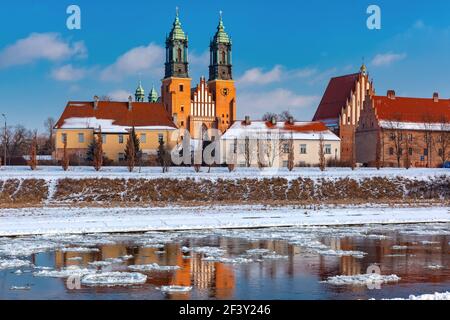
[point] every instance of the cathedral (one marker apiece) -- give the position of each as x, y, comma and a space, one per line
212, 103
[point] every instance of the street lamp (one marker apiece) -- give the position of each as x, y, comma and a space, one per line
4, 140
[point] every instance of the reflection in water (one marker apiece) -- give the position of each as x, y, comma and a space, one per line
294, 265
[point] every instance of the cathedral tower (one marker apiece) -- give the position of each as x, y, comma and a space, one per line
221, 83
176, 85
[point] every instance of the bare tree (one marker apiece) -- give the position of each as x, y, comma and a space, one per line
291, 155
407, 151
98, 151
130, 152
396, 137
268, 116
285, 116
49, 146
428, 124
164, 156
247, 152
442, 144
33, 154
322, 162
272, 146
65, 159
378, 152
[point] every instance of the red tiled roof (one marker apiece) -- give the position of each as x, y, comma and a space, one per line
142, 114
411, 109
335, 97
316, 126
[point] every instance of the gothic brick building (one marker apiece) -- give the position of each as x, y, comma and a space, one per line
341, 105
403, 131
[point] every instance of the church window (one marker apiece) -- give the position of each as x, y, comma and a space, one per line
179, 55
223, 57
181, 88
120, 138
81, 137
182, 109
425, 152
182, 123
143, 138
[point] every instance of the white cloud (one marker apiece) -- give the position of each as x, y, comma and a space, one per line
119, 95
387, 59
137, 60
256, 104
40, 46
258, 76
68, 73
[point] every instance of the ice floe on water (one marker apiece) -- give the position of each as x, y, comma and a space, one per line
341, 253
362, 279
152, 267
434, 267
13, 263
238, 260
20, 288
397, 247
433, 296
64, 272
207, 251
110, 279
175, 289
80, 249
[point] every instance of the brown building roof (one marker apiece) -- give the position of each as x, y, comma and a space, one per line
411, 109
142, 114
335, 97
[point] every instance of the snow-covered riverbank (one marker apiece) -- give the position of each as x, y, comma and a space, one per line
30, 221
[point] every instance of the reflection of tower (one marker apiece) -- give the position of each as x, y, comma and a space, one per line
202, 272
221, 83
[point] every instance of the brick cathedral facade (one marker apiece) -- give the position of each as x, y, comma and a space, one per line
210, 105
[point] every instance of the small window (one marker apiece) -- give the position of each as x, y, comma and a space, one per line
400, 151
303, 149
410, 137
103, 138
285, 164
64, 138
182, 109
181, 88
182, 123
328, 149
392, 136
391, 151
121, 156
286, 148
425, 152
160, 138
81, 138
121, 138
440, 152
410, 151
143, 138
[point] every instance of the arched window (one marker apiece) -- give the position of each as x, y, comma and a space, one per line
180, 52
223, 57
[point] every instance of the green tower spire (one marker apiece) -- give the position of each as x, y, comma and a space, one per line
140, 93
221, 36
177, 64
153, 95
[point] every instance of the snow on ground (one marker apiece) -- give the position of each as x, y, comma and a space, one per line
13, 263
50, 221
54, 173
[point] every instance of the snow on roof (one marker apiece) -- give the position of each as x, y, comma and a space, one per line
414, 126
106, 125
298, 130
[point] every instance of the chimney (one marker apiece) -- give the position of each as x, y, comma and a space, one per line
391, 94
291, 120
130, 103
436, 97
247, 121
274, 120
96, 100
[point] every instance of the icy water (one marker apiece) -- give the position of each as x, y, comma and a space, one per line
287, 263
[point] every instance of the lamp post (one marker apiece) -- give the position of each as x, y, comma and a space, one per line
4, 140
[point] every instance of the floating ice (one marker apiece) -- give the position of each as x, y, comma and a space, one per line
75, 259
342, 253
435, 267
152, 267
399, 247
175, 289
80, 249
110, 279
257, 251
13, 263
238, 260
64, 273
434, 296
362, 279
20, 288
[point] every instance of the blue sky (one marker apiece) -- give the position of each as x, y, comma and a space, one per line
284, 52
